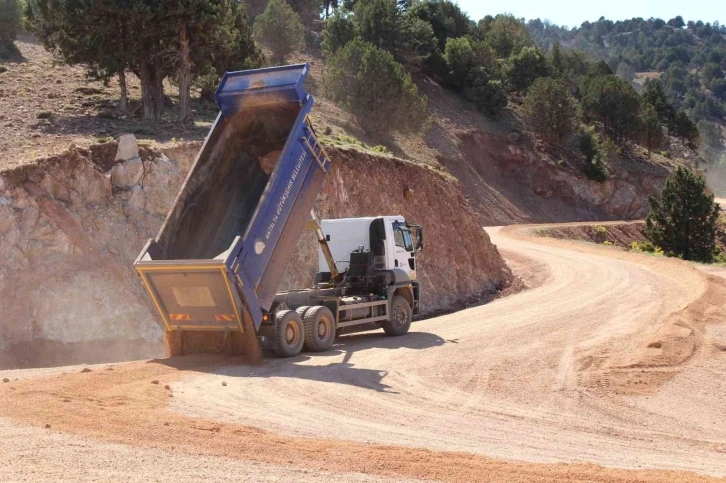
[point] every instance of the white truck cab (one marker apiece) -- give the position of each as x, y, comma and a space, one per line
389, 237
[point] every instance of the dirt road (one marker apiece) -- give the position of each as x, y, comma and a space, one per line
611, 358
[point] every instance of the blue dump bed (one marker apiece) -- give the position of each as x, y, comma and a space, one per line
232, 230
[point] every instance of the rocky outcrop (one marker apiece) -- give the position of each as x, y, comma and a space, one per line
510, 183
72, 225
68, 233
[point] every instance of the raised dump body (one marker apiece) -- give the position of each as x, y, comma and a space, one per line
233, 228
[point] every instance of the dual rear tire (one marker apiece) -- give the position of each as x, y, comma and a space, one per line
310, 327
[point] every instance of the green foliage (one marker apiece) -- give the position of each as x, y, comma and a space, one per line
485, 93
550, 109
339, 30
654, 95
10, 22
645, 247
613, 102
525, 67
377, 22
446, 19
507, 35
369, 83
459, 56
418, 42
601, 230
710, 72
683, 222
280, 29
718, 87
44, 115
625, 72
651, 131
591, 147
685, 129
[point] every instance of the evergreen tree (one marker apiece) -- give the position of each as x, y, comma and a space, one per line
370, 84
613, 102
507, 35
377, 22
683, 222
525, 67
550, 109
459, 56
485, 93
9, 25
446, 19
650, 128
339, 30
654, 95
280, 29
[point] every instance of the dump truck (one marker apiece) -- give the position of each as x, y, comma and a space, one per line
219, 258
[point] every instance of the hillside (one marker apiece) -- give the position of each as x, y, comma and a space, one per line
689, 60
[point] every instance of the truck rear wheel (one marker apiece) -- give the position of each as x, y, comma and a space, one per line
319, 329
290, 334
301, 311
400, 317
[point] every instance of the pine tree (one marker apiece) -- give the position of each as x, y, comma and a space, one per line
683, 222
550, 109
280, 29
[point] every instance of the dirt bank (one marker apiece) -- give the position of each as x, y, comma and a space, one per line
71, 226
508, 182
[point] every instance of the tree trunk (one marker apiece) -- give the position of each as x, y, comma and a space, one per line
124, 102
147, 91
185, 79
158, 80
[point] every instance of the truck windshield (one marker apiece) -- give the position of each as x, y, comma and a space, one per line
402, 236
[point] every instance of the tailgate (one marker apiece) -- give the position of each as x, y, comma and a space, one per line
192, 294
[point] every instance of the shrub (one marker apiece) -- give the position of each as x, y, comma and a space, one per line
613, 102
338, 31
601, 230
370, 84
550, 109
459, 56
487, 95
376, 22
507, 35
591, 147
683, 222
418, 42
280, 29
525, 67
44, 115
9, 21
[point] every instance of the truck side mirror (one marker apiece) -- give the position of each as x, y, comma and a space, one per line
418, 237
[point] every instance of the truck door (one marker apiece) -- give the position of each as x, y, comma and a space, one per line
404, 254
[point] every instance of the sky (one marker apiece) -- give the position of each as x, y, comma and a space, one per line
574, 13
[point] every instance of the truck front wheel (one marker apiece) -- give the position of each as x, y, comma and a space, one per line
290, 334
400, 317
319, 329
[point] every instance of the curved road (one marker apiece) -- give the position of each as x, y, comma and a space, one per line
610, 357
561, 372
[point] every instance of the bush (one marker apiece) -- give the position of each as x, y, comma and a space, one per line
376, 22
525, 67
459, 56
44, 115
645, 247
418, 42
280, 29
683, 222
9, 22
370, 84
590, 146
487, 95
613, 102
550, 109
339, 30
507, 35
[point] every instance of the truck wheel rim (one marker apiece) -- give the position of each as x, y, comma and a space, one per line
400, 317
323, 327
290, 334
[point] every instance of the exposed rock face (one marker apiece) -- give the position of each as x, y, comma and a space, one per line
67, 240
70, 231
509, 183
